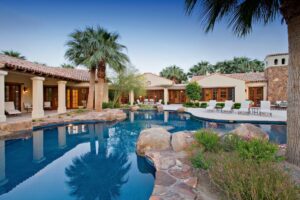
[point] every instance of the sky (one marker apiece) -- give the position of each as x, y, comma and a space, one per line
157, 33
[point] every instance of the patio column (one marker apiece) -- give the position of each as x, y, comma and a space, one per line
3, 179
62, 143
2, 96
61, 97
131, 97
38, 146
37, 97
166, 96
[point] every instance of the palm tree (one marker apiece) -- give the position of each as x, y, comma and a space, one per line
78, 51
14, 54
67, 66
174, 73
241, 15
201, 68
106, 52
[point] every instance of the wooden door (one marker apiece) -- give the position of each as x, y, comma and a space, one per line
51, 95
208, 93
256, 94
13, 93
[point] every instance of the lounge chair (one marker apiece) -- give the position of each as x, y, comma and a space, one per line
27, 106
10, 108
146, 101
244, 107
211, 105
138, 102
228, 106
47, 105
84, 103
151, 101
159, 102
265, 107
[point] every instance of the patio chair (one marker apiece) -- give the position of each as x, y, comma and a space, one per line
228, 106
283, 105
265, 107
47, 105
146, 101
138, 102
151, 101
84, 103
159, 102
10, 108
27, 106
245, 105
211, 105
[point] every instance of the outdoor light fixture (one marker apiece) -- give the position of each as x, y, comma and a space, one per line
25, 90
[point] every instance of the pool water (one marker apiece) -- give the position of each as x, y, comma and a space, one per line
92, 160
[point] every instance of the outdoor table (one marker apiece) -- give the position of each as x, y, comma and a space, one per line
255, 110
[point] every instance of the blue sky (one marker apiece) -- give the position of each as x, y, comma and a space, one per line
157, 33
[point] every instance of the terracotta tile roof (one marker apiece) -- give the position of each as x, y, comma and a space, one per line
247, 77
8, 62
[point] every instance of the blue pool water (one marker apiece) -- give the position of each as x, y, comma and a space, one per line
93, 160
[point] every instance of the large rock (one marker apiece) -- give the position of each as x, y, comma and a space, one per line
153, 139
250, 131
181, 109
134, 108
181, 140
160, 108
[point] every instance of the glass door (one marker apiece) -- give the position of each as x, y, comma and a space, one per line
13, 93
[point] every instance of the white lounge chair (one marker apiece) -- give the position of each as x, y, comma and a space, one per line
245, 107
228, 106
10, 108
146, 101
159, 102
27, 106
151, 101
138, 102
265, 107
211, 105
47, 105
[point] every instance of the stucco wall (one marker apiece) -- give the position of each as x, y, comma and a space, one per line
270, 60
218, 81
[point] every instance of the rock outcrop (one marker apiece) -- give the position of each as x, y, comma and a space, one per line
250, 131
134, 108
181, 140
153, 139
181, 109
160, 108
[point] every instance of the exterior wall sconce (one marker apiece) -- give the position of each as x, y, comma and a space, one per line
25, 90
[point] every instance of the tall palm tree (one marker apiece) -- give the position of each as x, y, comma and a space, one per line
14, 54
241, 15
201, 68
174, 73
78, 51
106, 52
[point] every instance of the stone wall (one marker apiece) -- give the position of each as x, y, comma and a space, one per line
277, 83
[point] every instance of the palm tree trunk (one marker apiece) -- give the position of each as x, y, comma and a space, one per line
101, 81
293, 118
90, 102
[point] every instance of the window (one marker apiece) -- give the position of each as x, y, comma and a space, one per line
283, 61
275, 62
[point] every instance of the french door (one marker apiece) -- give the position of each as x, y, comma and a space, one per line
13, 93
256, 94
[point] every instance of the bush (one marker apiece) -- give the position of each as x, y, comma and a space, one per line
110, 105
246, 179
198, 161
197, 104
236, 105
220, 105
258, 150
203, 105
193, 91
208, 139
188, 104
230, 142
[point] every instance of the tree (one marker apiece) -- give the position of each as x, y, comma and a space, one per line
105, 51
193, 91
201, 68
78, 52
126, 81
14, 54
68, 66
174, 73
241, 15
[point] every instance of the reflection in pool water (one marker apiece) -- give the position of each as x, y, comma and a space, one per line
92, 160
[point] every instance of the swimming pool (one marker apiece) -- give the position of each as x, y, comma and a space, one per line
92, 160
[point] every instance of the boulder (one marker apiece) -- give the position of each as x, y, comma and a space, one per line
160, 108
181, 140
153, 139
181, 109
250, 131
134, 108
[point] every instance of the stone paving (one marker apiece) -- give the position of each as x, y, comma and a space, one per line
277, 115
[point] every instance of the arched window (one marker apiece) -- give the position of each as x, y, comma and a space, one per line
275, 62
283, 61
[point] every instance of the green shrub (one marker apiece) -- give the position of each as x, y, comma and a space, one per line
208, 139
220, 105
193, 91
236, 105
197, 104
258, 150
110, 105
188, 104
203, 105
198, 161
230, 142
246, 179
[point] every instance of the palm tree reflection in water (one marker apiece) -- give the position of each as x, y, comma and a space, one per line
98, 175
